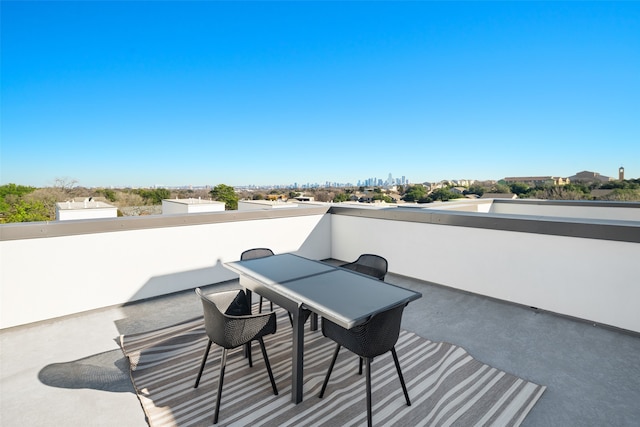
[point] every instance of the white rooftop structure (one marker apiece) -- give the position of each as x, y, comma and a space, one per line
256, 205
87, 209
183, 206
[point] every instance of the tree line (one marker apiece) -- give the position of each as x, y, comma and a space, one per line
20, 203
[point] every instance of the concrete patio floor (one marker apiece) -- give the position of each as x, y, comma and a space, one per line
71, 372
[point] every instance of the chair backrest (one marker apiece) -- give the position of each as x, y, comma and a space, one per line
255, 253
369, 264
216, 309
373, 338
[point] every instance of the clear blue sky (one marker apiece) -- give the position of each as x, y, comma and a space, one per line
174, 93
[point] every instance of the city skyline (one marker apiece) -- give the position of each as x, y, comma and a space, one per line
366, 182
118, 94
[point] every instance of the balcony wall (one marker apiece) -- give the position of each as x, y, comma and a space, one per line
580, 268
576, 267
54, 269
623, 211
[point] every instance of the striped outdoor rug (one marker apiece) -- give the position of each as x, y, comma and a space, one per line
446, 385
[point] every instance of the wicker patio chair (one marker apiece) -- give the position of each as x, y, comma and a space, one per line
229, 323
369, 264
373, 338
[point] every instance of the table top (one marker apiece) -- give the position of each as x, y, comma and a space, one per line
342, 296
279, 268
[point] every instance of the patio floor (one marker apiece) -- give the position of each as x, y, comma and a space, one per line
70, 371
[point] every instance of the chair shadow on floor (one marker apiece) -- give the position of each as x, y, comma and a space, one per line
108, 371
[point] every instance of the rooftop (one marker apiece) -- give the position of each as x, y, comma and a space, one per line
480, 273
70, 370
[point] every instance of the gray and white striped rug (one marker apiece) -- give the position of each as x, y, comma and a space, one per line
446, 385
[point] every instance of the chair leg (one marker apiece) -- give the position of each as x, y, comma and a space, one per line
326, 379
260, 305
266, 362
223, 363
204, 360
404, 387
367, 362
360, 366
271, 305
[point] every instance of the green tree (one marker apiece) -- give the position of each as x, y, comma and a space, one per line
155, 196
108, 194
443, 194
579, 188
10, 194
18, 190
625, 184
415, 193
341, 197
500, 188
227, 194
476, 189
624, 195
383, 197
558, 193
28, 211
519, 188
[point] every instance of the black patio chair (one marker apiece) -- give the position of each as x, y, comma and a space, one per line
373, 338
253, 254
229, 323
369, 264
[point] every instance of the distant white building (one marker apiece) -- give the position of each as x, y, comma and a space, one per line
183, 206
261, 205
87, 209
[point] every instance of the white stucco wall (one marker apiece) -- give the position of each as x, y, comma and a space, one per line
43, 278
591, 279
50, 277
567, 211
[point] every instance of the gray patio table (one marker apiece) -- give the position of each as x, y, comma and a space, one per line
297, 284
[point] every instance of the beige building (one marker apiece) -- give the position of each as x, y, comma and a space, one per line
537, 180
587, 176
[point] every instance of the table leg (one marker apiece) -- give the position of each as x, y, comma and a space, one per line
297, 356
247, 346
314, 322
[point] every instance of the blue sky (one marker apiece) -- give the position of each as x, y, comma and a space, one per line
196, 93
